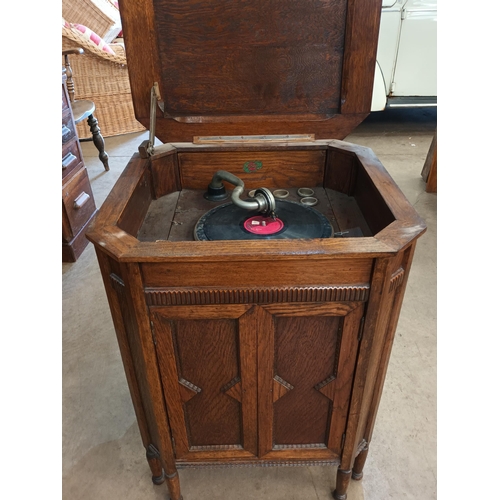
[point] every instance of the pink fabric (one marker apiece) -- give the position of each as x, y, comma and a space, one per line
93, 37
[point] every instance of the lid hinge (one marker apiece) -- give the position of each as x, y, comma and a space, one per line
147, 148
253, 138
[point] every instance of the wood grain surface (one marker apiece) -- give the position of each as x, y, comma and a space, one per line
207, 357
282, 58
283, 169
239, 67
362, 29
277, 382
296, 272
305, 352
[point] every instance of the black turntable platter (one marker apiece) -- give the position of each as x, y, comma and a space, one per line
293, 221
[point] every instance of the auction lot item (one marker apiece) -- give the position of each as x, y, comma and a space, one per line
254, 329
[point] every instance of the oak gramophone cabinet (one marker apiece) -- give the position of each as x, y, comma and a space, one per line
254, 348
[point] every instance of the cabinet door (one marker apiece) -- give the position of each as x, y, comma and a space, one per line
306, 359
207, 359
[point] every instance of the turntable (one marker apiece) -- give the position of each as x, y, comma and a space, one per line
232, 221
255, 264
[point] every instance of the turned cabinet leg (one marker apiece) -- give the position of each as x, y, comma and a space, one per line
174, 486
159, 475
343, 478
359, 463
98, 140
155, 465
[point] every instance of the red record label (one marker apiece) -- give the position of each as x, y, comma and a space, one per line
263, 225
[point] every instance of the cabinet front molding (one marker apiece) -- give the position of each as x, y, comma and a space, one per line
206, 295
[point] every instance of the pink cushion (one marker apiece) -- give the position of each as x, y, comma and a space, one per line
88, 34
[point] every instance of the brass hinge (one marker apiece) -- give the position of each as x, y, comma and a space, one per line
147, 148
215, 139
361, 328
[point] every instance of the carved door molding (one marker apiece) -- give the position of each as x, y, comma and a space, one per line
307, 356
257, 381
208, 376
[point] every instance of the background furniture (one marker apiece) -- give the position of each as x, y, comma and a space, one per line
83, 108
78, 206
102, 77
101, 16
429, 170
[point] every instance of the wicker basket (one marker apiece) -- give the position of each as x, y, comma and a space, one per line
103, 78
88, 14
108, 7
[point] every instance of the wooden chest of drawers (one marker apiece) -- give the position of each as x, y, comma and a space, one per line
78, 206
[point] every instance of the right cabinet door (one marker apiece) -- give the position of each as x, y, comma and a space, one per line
306, 360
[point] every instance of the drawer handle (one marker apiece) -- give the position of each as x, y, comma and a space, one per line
81, 200
66, 134
68, 160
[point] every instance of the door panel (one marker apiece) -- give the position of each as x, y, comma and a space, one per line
305, 377
416, 65
304, 357
206, 354
390, 26
272, 381
208, 384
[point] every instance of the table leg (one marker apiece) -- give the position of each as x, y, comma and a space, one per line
98, 140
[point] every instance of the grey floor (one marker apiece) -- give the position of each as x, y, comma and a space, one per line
103, 457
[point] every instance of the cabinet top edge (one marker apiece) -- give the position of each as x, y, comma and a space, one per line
125, 248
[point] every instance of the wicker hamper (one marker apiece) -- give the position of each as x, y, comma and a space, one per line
103, 78
86, 12
101, 16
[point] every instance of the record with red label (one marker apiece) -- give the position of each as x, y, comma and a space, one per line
292, 221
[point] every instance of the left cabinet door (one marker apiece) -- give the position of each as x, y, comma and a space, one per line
208, 365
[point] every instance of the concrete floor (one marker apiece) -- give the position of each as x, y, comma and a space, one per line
103, 457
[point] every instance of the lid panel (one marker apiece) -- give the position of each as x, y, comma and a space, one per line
252, 67
238, 58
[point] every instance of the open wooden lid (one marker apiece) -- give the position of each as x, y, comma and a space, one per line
252, 67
